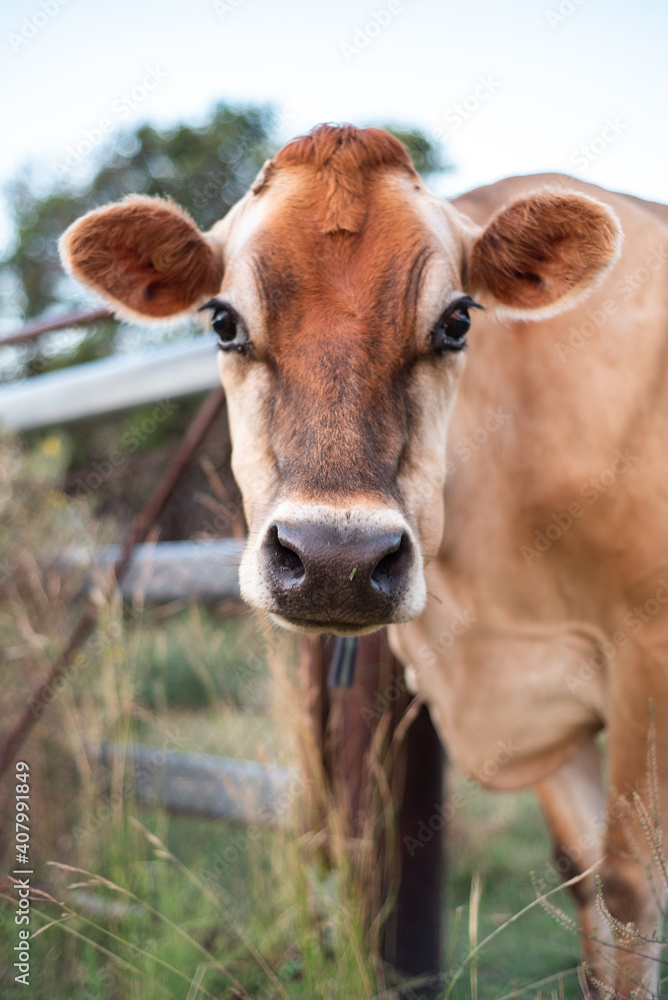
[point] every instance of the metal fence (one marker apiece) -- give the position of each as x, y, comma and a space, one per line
166, 571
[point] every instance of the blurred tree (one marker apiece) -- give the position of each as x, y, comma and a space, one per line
205, 168
428, 158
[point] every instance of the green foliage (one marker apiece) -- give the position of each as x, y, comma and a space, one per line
503, 838
427, 157
206, 168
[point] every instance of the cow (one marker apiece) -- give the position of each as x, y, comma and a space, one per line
449, 418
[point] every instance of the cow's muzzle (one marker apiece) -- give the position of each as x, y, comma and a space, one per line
346, 573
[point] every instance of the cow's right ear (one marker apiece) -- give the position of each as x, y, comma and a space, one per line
144, 256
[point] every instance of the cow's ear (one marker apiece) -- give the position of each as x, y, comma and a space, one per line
145, 256
542, 253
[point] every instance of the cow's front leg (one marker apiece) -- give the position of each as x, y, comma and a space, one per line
573, 803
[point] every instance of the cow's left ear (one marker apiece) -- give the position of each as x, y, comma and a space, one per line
540, 254
145, 256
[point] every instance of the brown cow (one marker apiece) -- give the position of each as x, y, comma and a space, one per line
525, 592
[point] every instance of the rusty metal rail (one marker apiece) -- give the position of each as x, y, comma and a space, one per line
42, 696
37, 327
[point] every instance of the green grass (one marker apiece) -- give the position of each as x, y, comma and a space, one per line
234, 892
218, 904
199, 918
226, 907
503, 838
257, 911
194, 658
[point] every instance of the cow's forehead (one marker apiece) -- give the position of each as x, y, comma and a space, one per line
405, 256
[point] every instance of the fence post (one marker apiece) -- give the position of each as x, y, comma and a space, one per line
356, 730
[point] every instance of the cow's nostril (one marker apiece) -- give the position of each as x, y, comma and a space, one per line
391, 567
320, 572
285, 562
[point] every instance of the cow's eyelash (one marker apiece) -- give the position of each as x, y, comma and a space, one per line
463, 302
449, 333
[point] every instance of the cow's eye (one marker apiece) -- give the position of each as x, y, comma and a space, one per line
226, 324
450, 331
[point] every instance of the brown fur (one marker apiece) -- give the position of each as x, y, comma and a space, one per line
341, 336
540, 248
343, 158
145, 254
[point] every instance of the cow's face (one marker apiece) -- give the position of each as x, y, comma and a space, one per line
341, 293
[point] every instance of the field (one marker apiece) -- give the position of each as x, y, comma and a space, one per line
132, 903
206, 905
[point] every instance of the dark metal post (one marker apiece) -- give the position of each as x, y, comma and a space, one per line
417, 916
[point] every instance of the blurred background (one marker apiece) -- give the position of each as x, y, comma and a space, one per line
575, 86
187, 101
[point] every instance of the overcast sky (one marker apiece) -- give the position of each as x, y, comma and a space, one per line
577, 86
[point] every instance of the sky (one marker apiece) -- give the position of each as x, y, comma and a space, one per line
512, 87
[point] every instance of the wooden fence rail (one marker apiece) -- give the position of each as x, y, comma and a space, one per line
170, 571
200, 784
38, 327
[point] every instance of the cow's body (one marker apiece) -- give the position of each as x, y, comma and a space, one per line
571, 411
547, 553
550, 621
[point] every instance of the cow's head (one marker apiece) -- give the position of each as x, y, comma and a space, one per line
341, 292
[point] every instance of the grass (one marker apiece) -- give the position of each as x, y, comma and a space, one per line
226, 890
502, 839
194, 917
186, 908
187, 659
232, 891
206, 909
